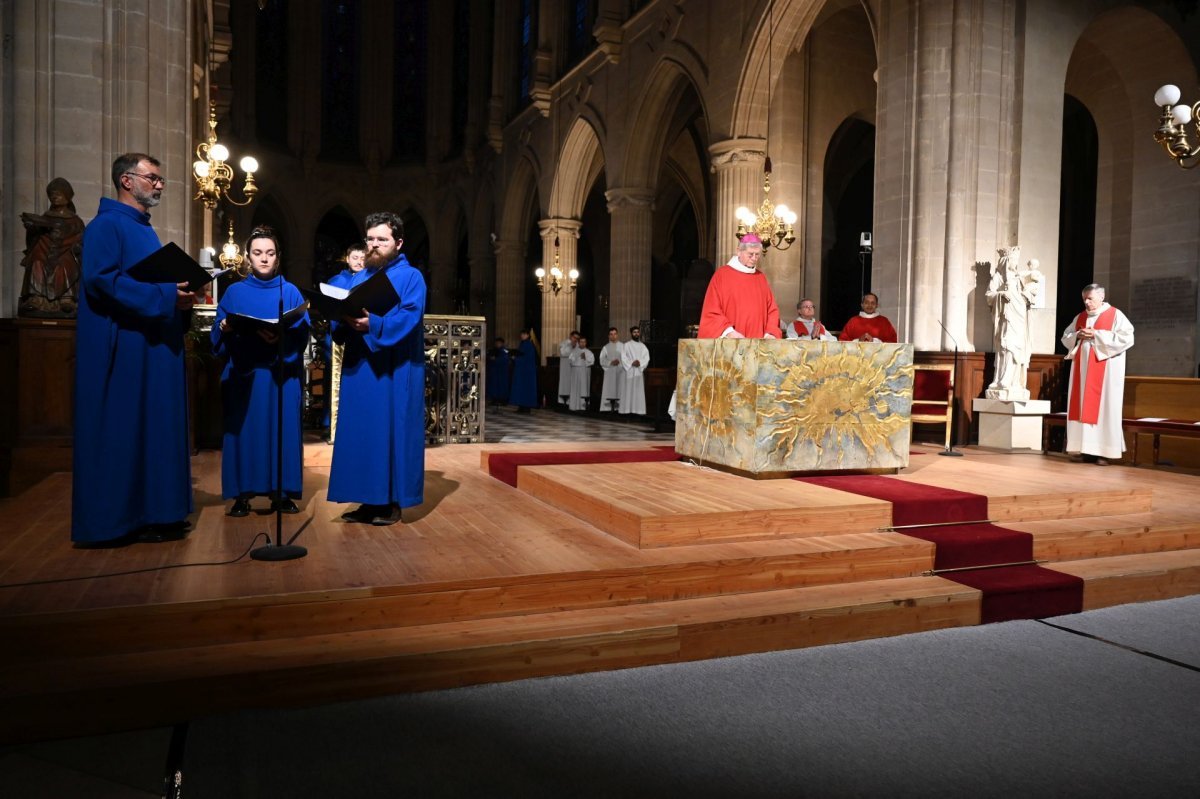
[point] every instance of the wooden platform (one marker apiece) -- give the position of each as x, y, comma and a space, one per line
486, 582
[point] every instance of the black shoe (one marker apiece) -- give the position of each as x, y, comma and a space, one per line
385, 515
240, 507
286, 505
161, 533
360, 515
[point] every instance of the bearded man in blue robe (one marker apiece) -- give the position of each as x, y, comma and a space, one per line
379, 451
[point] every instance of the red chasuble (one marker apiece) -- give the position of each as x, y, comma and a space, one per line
1085, 406
879, 327
740, 300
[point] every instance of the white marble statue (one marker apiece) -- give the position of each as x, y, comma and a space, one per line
1011, 293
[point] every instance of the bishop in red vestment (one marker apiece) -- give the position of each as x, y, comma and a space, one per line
739, 302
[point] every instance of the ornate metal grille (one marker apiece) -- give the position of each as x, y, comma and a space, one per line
454, 379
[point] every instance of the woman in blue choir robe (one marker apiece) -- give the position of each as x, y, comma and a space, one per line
524, 375
248, 384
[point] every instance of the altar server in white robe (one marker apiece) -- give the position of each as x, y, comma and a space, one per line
565, 349
1096, 342
614, 372
634, 360
582, 361
807, 325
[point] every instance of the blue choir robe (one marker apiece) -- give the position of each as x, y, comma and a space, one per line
379, 452
497, 374
524, 376
249, 398
131, 454
341, 280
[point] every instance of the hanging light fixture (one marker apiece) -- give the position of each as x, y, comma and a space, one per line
774, 224
214, 177
231, 255
1172, 126
555, 283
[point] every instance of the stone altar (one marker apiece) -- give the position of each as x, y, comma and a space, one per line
774, 408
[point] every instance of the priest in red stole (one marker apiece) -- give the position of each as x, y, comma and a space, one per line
739, 302
1096, 342
869, 325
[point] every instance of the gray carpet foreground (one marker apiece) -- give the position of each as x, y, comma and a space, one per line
1001, 710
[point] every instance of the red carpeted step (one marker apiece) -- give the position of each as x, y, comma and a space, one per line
1009, 592
1023, 592
912, 503
503, 466
978, 544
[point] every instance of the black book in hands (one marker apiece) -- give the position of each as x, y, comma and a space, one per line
376, 294
247, 325
170, 264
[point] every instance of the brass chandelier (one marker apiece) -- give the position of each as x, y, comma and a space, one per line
1172, 126
555, 283
214, 177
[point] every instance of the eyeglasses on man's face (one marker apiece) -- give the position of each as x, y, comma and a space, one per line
154, 180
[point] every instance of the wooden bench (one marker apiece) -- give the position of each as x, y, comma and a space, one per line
1168, 427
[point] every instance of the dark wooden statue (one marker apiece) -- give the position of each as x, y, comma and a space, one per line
53, 256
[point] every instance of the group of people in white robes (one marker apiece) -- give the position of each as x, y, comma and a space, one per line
623, 363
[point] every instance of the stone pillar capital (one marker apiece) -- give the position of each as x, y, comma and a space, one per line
629, 197
559, 227
734, 152
508, 248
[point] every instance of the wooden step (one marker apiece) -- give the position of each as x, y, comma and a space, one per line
1012, 498
1136, 578
672, 504
1088, 537
143, 689
713, 571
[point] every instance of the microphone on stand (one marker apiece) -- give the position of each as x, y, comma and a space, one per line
954, 384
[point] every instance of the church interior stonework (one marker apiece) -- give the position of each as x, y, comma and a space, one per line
617, 138
953, 214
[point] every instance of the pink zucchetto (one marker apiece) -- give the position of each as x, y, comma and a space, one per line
751, 238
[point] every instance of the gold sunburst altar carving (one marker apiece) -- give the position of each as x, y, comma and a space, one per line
778, 407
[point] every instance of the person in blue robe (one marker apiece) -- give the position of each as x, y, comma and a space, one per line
249, 383
524, 375
132, 469
498, 366
379, 450
355, 260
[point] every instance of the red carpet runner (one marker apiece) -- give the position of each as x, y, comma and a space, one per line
1009, 592
503, 465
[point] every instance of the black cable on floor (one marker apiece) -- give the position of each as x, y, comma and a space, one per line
140, 571
1126, 647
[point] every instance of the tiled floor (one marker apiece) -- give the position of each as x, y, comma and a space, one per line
505, 425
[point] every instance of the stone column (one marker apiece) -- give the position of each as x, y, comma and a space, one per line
87, 82
607, 30
481, 297
945, 174
632, 211
510, 288
558, 310
504, 65
738, 164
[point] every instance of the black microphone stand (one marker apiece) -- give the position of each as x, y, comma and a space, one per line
949, 451
279, 550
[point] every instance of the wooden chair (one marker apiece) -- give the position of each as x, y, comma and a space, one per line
933, 395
